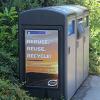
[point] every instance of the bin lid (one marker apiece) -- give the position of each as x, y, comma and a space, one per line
62, 9
77, 8
40, 16
57, 9
84, 9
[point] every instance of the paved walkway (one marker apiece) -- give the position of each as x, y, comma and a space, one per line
90, 90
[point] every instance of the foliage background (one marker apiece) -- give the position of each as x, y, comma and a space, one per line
9, 10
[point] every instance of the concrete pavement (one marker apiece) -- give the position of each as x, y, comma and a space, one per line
90, 89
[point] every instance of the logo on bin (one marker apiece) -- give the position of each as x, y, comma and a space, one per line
52, 83
29, 32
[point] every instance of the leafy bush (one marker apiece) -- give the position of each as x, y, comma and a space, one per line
20, 4
8, 91
9, 30
93, 6
28, 4
8, 66
8, 44
95, 53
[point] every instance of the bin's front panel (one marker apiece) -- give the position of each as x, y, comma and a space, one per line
41, 58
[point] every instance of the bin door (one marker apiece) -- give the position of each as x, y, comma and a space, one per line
71, 57
79, 44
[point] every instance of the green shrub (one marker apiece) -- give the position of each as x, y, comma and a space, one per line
8, 44
93, 6
9, 91
95, 53
28, 4
9, 30
8, 66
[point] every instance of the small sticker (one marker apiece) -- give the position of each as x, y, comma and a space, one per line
52, 83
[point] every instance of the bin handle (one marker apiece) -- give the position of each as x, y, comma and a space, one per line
77, 44
84, 39
68, 50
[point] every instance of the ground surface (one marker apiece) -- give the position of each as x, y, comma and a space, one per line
90, 90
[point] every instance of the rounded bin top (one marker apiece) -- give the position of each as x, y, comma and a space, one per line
80, 10
54, 15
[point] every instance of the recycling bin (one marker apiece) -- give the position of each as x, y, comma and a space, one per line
54, 50
47, 50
